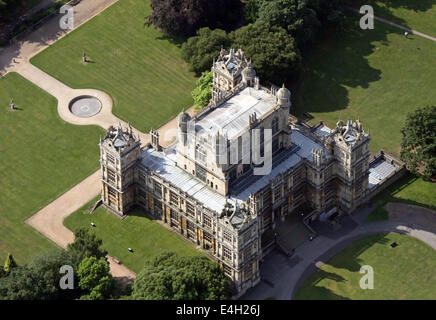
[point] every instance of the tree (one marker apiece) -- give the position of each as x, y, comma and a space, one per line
203, 91
18, 285
95, 278
296, 16
183, 17
201, 49
39, 279
418, 148
251, 10
9, 263
272, 49
85, 245
172, 277
329, 12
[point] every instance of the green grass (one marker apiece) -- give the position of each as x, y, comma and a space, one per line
377, 75
42, 157
145, 236
404, 272
141, 69
419, 15
410, 189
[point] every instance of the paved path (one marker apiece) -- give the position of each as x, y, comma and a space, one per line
412, 31
49, 220
15, 58
47, 34
283, 276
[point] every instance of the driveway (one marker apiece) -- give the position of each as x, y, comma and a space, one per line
282, 276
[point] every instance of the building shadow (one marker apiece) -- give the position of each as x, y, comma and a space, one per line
352, 249
322, 293
390, 194
313, 291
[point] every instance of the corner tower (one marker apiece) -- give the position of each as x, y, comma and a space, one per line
119, 154
351, 150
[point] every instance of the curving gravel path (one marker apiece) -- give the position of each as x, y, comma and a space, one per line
283, 276
16, 58
286, 274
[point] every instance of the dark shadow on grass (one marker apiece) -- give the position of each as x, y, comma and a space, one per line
138, 211
384, 11
177, 41
321, 274
311, 291
389, 195
320, 293
12, 50
345, 255
337, 62
351, 249
415, 5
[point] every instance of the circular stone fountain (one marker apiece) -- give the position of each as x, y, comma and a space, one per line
85, 106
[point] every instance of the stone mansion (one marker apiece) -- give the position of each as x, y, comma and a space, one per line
204, 186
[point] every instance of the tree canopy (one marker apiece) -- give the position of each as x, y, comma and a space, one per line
418, 148
275, 55
183, 17
201, 49
203, 91
39, 279
278, 31
172, 277
300, 17
86, 244
95, 278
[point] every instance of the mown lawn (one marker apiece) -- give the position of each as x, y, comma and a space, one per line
403, 272
141, 69
377, 75
419, 15
41, 157
410, 189
146, 237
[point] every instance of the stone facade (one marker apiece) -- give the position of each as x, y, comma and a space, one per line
204, 187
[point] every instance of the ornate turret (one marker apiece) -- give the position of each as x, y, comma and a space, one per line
248, 75
182, 128
220, 149
284, 97
350, 134
227, 71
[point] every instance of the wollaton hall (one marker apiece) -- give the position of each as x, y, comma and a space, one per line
233, 215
